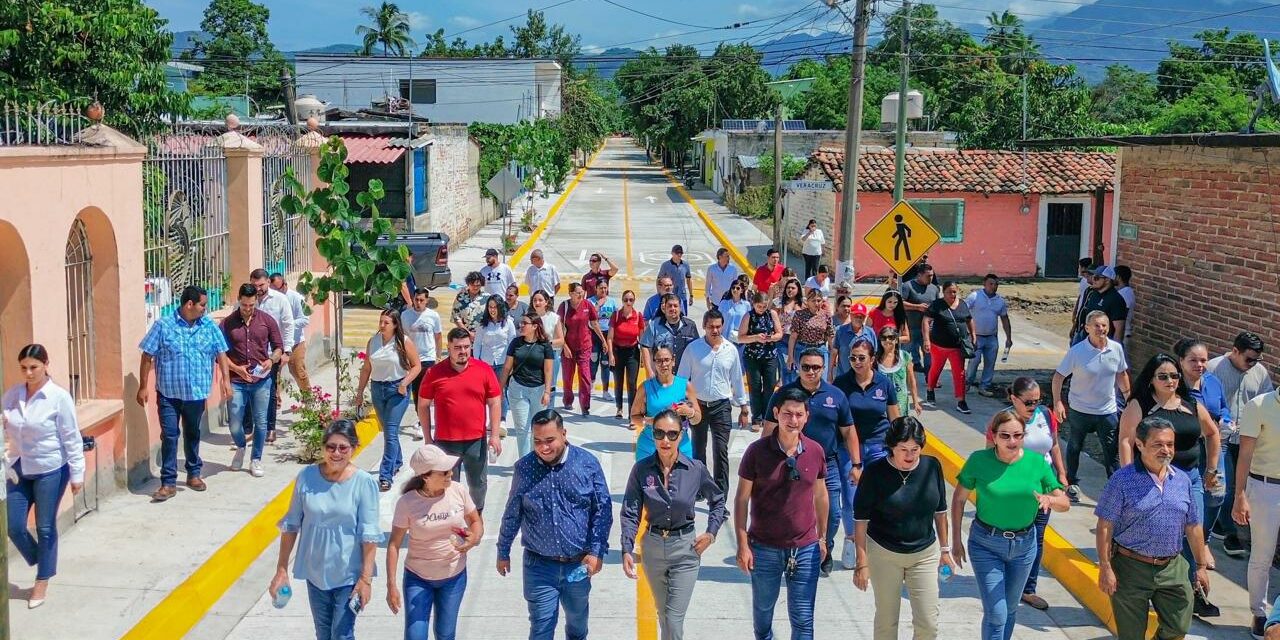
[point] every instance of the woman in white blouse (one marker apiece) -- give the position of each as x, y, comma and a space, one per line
812, 239
45, 452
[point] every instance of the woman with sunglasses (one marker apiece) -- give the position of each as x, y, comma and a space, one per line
1206, 388
525, 378
1160, 391
734, 307
551, 325
392, 363
811, 328
1042, 438
333, 522
665, 390
625, 329
664, 488
892, 361
890, 312
901, 535
443, 525
759, 333
1011, 488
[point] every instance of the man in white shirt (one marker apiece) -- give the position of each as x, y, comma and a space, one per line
422, 325
989, 312
711, 363
719, 276
1243, 378
1123, 275
301, 320
541, 276
497, 275
276, 305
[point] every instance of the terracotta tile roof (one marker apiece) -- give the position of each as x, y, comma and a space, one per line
371, 149
980, 171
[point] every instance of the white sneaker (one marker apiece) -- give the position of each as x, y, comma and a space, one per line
414, 431
237, 460
255, 468
848, 557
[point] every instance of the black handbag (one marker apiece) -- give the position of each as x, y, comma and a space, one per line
967, 349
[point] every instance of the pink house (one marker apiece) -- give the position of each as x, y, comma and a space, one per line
1017, 214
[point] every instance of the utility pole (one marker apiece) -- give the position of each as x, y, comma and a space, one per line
778, 240
852, 138
900, 161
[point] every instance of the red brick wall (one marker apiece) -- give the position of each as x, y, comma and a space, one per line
1204, 262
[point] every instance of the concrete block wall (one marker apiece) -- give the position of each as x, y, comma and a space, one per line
456, 206
1204, 259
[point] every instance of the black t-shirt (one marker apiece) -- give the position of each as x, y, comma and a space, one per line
529, 356
900, 506
949, 325
1111, 302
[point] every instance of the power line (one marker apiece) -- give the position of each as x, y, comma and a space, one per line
660, 18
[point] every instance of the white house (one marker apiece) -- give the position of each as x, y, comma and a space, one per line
454, 90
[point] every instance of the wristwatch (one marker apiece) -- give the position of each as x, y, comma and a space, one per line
857, 465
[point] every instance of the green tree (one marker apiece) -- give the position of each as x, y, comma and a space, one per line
537, 39
76, 51
388, 26
1213, 105
1007, 37
1126, 96
237, 54
825, 105
1058, 105
1233, 58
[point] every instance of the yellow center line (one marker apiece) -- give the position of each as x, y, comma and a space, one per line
626, 227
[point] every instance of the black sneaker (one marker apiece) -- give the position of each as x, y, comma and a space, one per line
929, 398
1073, 493
1205, 609
1258, 630
1234, 548
963, 407
827, 564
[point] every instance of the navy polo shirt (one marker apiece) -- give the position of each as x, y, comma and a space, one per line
869, 406
828, 412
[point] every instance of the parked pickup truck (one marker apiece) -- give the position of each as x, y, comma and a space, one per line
430, 256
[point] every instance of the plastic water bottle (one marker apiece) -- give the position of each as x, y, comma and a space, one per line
282, 597
1005, 357
945, 573
578, 574
493, 456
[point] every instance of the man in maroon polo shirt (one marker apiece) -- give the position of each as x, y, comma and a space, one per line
468, 404
781, 486
255, 344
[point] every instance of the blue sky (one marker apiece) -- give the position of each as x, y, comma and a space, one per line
300, 24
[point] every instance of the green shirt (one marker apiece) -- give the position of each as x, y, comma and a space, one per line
1004, 491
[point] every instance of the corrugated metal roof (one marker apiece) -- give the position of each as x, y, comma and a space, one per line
371, 150
749, 162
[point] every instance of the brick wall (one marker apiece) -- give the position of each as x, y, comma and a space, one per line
1204, 262
454, 201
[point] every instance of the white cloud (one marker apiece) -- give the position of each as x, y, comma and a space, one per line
976, 11
418, 20
465, 21
750, 10
592, 49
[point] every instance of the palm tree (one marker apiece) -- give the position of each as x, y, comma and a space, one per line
390, 26
1001, 27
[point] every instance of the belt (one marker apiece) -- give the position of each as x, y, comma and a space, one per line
1005, 533
678, 531
1130, 553
561, 559
1267, 479
989, 335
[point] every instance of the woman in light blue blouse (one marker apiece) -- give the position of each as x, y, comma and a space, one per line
333, 521
734, 307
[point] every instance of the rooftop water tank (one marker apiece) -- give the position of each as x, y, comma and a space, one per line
308, 106
889, 107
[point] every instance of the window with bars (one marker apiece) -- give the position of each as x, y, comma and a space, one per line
946, 215
80, 338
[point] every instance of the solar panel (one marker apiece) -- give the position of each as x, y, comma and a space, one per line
761, 125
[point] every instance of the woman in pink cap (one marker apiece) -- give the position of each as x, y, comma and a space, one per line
443, 525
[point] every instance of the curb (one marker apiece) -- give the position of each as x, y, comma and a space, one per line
182, 609
738, 257
527, 245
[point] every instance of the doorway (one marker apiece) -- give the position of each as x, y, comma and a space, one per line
1064, 229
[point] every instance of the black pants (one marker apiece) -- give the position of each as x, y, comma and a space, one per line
762, 377
417, 382
626, 362
810, 266
474, 459
717, 417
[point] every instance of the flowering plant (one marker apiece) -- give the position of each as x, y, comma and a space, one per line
315, 408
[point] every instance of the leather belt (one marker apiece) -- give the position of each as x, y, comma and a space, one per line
1153, 561
1267, 479
561, 559
678, 531
1004, 533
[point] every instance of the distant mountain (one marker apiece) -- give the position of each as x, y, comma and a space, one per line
607, 62
332, 49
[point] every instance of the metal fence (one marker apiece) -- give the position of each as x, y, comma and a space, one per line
46, 124
185, 220
80, 338
286, 239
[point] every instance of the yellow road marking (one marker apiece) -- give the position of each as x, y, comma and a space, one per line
551, 214
626, 227
715, 229
179, 612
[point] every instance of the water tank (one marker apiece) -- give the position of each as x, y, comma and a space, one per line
308, 106
889, 107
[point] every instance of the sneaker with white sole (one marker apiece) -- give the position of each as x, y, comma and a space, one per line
237, 460
414, 431
1073, 493
849, 555
255, 468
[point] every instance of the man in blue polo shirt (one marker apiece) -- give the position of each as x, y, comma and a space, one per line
831, 426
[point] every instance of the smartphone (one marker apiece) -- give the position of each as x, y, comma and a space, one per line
354, 604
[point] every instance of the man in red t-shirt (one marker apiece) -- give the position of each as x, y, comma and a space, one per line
580, 319
461, 389
769, 272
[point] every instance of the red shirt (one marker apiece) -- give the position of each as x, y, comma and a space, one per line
879, 320
577, 324
249, 344
765, 277
591, 279
626, 331
460, 398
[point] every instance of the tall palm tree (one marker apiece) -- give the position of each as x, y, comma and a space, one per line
1001, 27
389, 26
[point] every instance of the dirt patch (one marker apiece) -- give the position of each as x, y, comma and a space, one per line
1048, 304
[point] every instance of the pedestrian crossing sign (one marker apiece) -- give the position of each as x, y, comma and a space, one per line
902, 237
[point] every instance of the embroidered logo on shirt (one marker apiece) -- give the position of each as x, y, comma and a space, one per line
879, 394
830, 402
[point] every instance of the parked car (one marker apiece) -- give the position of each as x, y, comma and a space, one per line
430, 256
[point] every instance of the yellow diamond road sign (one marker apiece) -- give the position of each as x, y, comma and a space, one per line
902, 237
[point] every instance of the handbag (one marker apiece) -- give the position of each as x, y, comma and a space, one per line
967, 349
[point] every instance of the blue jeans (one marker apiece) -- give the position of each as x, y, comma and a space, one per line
1033, 579
1222, 523
390, 405
802, 587
189, 413
525, 402
786, 375
837, 476
600, 368
546, 590
41, 492
420, 596
1000, 567
847, 491
273, 401
330, 613
920, 356
1197, 500
985, 349
254, 396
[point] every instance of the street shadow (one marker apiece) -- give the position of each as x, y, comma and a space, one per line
723, 574
18, 593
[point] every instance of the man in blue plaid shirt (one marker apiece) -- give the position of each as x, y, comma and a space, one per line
182, 349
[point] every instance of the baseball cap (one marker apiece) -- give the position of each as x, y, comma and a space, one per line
858, 309
1104, 270
429, 457
491, 252
677, 249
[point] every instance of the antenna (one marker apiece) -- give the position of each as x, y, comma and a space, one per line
1269, 91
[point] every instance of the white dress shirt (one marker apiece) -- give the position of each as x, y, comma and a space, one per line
42, 430
718, 280
277, 306
301, 319
544, 279
716, 373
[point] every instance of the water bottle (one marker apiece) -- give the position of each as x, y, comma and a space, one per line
493, 456
578, 574
945, 573
1005, 357
459, 536
282, 597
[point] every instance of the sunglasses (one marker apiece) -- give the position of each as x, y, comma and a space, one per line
860, 358
337, 448
1029, 402
659, 434
888, 336
628, 299
663, 360
1004, 435
793, 472
1252, 361
811, 368
1165, 377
